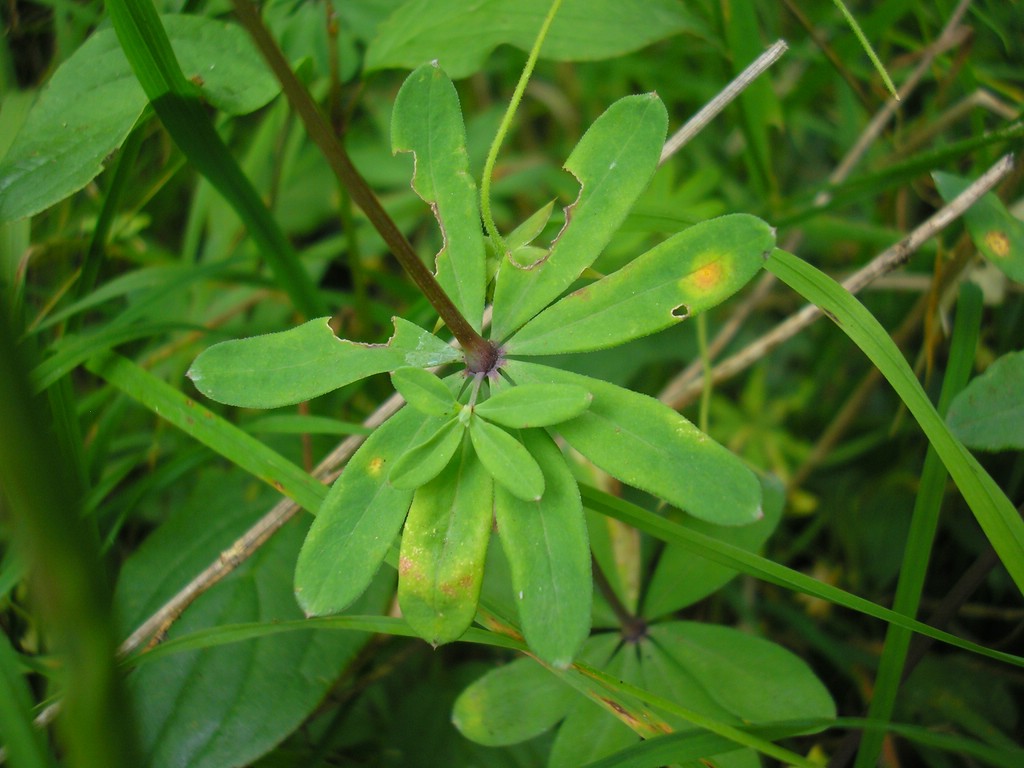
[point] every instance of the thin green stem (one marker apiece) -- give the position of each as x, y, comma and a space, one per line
862, 38
480, 353
506, 121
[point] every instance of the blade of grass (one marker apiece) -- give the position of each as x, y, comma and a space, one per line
993, 510
762, 568
673, 748
227, 634
177, 104
208, 428
921, 536
65, 574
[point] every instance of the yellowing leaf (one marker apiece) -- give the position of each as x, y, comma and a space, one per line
683, 276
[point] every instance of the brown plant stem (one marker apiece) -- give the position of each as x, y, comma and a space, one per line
634, 628
480, 353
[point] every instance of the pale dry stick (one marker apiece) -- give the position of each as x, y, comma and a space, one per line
677, 396
247, 544
726, 96
950, 36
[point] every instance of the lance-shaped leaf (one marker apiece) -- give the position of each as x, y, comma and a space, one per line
358, 520
424, 391
545, 543
683, 276
427, 121
534, 405
307, 361
507, 460
444, 546
426, 459
646, 444
613, 162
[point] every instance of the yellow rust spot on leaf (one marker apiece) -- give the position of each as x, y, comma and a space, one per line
404, 565
706, 277
375, 466
998, 243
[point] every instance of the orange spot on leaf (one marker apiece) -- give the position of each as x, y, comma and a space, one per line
998, 243
707, 277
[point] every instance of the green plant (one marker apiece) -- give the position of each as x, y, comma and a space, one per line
476, 441
609, 626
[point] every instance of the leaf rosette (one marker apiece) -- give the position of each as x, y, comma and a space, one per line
476, 451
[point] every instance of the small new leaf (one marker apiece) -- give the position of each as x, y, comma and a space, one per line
546, 545
424, 391
507, 460
426, 460
535, 405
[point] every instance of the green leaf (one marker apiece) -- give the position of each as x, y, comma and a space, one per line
507, 460
714, 669
444, 546
306, 361
93, 99
682, 578
462, 35
996, 233
358, 521
426, 459
534, 405
613, 162
648, 445
424, 391
491, 711
993, 510
227, 706
545, 543
988, 415
427, 121
682, 277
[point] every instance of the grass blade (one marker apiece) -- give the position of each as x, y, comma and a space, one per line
993, 510
149, 52
211, 430
754, 565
